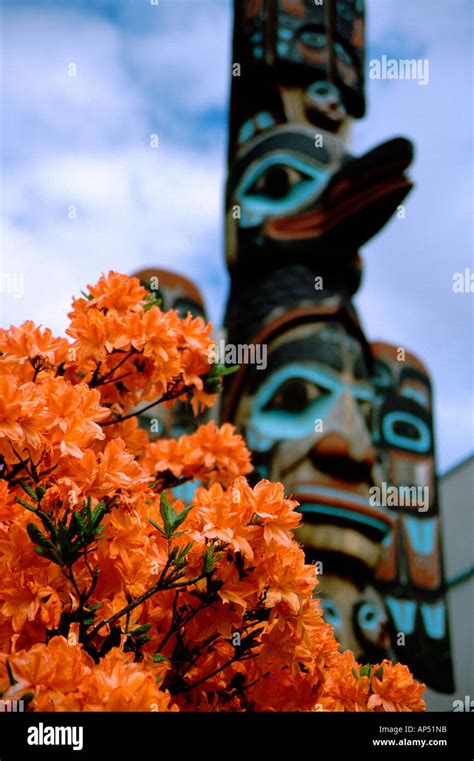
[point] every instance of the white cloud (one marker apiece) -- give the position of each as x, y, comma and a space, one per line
84, 141
407, 296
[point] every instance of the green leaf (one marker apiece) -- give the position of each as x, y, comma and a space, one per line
26, 504
153, 523
355, 674
171, 519
37, 537
11, 678
87, 296
29, 490
49, 555
98, 513
166, 512
40, 491
158, 658
182, 516
210, 560
379, 673
48, 524
181, 556
150, 304
224, 370
143, 629
77, 522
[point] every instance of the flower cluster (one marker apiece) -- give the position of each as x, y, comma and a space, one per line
115, 595
211, 454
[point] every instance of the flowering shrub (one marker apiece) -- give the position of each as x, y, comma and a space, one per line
114, 594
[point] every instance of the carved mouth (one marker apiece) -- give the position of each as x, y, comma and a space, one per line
343, 509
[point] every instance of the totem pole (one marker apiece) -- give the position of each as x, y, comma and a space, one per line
330, 415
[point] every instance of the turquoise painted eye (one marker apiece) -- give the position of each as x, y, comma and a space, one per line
294, 396
277, 181
331, 613
313, 39
369, 616
407, 431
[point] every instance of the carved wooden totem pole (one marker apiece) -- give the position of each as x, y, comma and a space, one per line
333, 417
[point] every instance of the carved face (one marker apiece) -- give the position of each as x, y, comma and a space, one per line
411, 571
307, 418
307, 414
323, 104
277, 174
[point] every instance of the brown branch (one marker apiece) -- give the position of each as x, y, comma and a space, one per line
158, 587
165, 398
100, 381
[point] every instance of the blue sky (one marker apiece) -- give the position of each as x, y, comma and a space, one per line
142, 69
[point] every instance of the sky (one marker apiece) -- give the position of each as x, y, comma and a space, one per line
87, 83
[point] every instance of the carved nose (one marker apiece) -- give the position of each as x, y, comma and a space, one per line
349, 438
336, 446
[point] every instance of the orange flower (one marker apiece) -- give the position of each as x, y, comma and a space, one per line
212, 454
395, 690
118, 470
113, 291
227, 515
215, 603
29, 600
275, 513
119, 684
21, 347
342, 691
11, 409
71, 415
52, 671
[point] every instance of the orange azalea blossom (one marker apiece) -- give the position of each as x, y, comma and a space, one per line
119, 684
395, 690
63, 677
227, 515
212, 454
30, 350
53, 416
114, 594
134, 437
117, 337
116, 291
342, 691
20, 406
